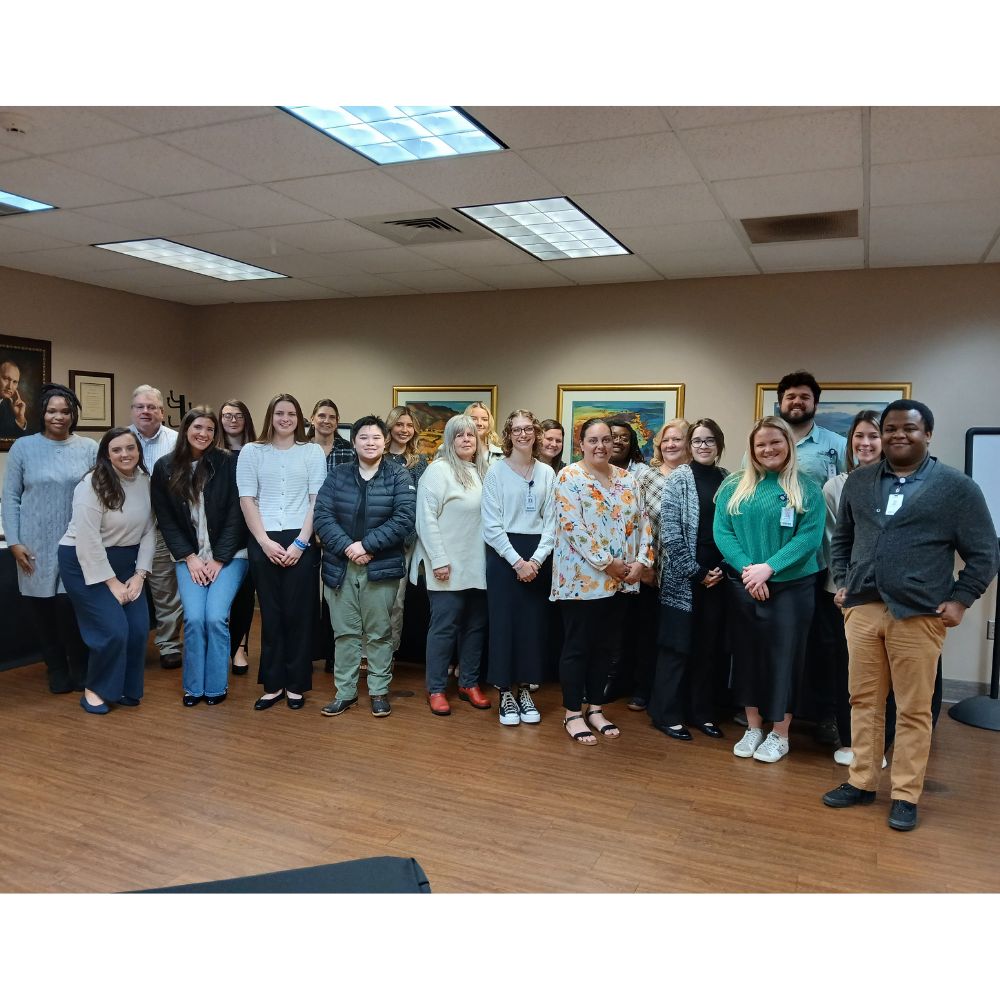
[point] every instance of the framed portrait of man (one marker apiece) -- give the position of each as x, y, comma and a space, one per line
25, 366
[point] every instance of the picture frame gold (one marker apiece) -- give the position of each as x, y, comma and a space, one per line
647, 406
839, 402
96, 392
433, 405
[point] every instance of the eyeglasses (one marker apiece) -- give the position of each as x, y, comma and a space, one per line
232, 417
521, 431
152, 407
702, 442
621, 438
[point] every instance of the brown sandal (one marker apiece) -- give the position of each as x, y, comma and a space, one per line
581, 737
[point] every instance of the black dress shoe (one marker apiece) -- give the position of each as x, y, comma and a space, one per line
847, 795
675, 734
262, 703
902, 815
240, 669
63, 690
215, 699
294, 703
170, 661
190, 700
128, 702
710, 729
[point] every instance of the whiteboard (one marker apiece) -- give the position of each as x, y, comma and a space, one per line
982, 462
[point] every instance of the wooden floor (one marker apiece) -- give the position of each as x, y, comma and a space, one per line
163, 795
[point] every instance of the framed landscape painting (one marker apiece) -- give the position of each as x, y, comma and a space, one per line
839, 402
25, 366
646, 407
433, 406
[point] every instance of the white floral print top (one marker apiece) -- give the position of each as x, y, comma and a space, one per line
596, 525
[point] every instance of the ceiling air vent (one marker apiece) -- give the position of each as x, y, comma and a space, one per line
445, 226
799, 228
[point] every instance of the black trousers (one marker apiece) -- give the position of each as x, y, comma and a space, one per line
241, 614
63, 649
287, 597
687, 685
592, 633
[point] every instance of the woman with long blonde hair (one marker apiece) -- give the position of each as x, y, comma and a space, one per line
769, 528
486, 429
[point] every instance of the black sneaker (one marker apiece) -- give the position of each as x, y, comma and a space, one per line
338, 706
380, 706
902, 815
847, 795
826, 733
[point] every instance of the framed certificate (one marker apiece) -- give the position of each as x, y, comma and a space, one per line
96, 392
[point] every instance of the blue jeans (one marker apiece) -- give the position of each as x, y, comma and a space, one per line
206, 627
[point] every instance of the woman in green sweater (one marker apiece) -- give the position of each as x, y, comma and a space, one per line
769, 529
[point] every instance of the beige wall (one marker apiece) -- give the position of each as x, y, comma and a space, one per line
938, 328
97, 329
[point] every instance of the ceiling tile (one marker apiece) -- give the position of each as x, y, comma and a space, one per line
685, 118
994, 254
702, 263
155, 217
248, 207
363, 284
327, 237
77, 263
8, 153
523, 127
810, 255
936, 180
517, 276
241, 244
357, 194
443, 280
298, 290
150, 121
73, 227
150, 166
615, 164
271, 148
822, 141
391, 261
219, 293
658, 206
58, 185
903, 134
484, 178
482, 253
599, 270
689, 236
792, 194
952, 233
54, 130
141, 279
15, 239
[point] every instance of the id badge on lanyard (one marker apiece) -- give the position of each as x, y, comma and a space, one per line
787, 512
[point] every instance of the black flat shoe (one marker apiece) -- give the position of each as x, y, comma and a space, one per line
675, 734
190, 700
240, 670
262, 703
710, 729
215, 699
128, 702
295, 703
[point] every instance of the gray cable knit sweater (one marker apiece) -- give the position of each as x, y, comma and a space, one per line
908, 559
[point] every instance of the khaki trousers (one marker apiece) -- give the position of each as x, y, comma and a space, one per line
901, 655
166, 601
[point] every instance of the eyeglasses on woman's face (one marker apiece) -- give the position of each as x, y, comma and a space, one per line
522, 431
703, 442
232, 418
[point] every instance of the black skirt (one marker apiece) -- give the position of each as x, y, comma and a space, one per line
769, 643
519, 617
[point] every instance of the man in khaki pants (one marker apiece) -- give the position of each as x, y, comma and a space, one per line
899, 526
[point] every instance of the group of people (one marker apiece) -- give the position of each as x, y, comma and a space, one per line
714, 588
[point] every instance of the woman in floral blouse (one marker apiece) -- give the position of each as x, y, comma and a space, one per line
602, 543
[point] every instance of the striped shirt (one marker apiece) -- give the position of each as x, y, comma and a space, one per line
155, 447
281, 480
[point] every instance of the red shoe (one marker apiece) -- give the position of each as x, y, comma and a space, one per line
474, 696
439, 703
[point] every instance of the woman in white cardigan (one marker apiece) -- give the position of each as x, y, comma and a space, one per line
451, 553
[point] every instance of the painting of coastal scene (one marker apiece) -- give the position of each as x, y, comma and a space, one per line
433, 406
839, 402
647, 408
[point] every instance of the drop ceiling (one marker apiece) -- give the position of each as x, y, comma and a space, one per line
670, 183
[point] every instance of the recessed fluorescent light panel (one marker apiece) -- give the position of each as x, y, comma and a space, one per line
14, 204
549, 229
190, 259
396, 134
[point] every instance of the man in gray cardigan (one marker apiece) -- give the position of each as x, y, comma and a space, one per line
899, 526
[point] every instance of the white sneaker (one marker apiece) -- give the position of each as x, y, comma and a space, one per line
752, 739
845, 755
526, 707
509, 713
772, 749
